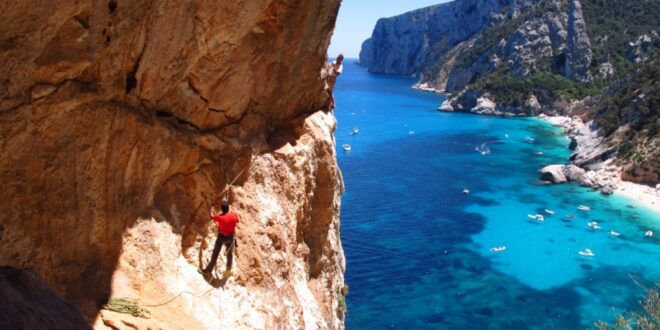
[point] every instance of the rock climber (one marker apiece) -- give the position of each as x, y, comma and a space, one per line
334, 69
226, 222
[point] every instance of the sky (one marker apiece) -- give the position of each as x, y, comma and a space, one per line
357, 19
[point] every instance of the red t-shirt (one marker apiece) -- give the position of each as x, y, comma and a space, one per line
226, 223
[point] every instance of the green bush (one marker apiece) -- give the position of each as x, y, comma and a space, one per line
648, 319
507, 89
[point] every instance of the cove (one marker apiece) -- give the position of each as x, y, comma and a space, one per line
417, 248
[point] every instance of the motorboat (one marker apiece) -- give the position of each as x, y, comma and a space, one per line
538, 153
498, 249
614, 233
587, 253
537, 217
649, 233
466, 191
346, 147
529, 139
584, 208
551, 212
570, 216
354, 131
411, 132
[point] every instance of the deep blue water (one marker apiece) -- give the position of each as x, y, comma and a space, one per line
417, 248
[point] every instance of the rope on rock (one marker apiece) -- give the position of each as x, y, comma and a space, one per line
179, 295
226, 190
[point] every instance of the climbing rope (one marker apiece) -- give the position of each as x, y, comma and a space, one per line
226, 190
179, 295
131, 306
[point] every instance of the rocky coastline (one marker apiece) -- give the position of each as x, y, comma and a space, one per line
594, 164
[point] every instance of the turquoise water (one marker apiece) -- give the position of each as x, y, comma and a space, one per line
417, 248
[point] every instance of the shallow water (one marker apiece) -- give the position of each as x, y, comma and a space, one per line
417, 248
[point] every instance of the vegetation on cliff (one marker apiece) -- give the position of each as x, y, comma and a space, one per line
613, 24
648, 319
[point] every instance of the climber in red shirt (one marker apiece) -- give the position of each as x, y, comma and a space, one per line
226, 228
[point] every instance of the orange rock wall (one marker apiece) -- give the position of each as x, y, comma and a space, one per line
116, 112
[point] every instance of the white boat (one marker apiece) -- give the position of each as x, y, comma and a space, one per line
649, 233
529, 139
346, 147
538, 153
497, 249
537, 217
354, 131
614, 233
584, 208
596, 227
587, 253
466, 191
482, 149
551, 212
570, 216
411, 132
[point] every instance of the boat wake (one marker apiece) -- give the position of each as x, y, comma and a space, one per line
483, 148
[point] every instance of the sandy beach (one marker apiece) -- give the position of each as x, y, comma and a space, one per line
646, 196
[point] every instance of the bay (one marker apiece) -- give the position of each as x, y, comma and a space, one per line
418, 248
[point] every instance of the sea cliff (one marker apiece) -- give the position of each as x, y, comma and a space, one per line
123, 122
588, 59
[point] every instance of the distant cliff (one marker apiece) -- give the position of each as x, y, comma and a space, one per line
407, 43
589, 58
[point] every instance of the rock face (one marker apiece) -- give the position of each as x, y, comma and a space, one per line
407, 43
578, 47
121, 123
591, 150
562, 173
553, 173
26, 302
436, 41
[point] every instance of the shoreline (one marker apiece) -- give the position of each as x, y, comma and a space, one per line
609, 174
424, 87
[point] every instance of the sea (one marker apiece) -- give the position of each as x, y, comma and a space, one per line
419, 250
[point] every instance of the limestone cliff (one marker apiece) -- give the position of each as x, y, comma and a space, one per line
122, 122
408, 43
